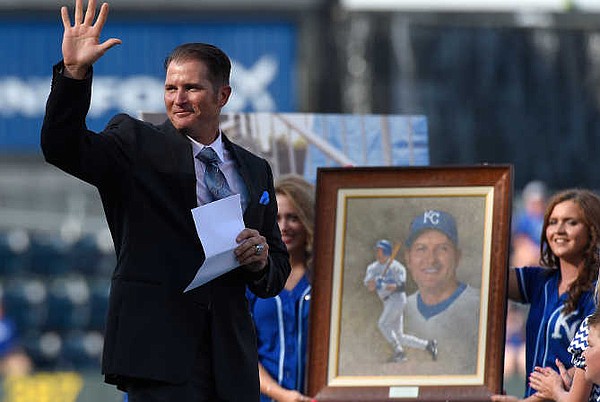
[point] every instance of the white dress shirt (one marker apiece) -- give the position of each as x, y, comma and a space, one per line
227, 166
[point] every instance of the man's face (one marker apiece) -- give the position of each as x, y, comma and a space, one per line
381, 256
592, 355
432, 260
192, 103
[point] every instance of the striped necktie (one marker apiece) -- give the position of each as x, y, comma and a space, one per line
213, 176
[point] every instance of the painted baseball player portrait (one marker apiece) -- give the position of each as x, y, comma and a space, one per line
387, 277
410, 285
442, 306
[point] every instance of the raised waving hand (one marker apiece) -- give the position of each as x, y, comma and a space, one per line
81, 45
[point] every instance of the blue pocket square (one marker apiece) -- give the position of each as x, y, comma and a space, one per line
264, 198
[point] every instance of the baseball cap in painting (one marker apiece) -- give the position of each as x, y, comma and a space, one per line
385, 245
433, 219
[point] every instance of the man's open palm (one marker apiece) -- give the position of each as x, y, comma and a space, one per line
81, 45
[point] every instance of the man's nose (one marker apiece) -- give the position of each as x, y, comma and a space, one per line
180, 97
431, 257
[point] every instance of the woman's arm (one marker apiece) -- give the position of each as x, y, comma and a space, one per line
514, 293
581, 388
270, 388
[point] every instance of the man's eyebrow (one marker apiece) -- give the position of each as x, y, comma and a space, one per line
447, 242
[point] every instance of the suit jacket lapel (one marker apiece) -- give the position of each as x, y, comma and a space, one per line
184, 161
244, 170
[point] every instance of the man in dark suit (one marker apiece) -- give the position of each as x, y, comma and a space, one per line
161, 343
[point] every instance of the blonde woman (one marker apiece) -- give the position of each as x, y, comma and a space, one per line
282, 321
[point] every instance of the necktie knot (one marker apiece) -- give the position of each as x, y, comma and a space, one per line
208, 156
215, 180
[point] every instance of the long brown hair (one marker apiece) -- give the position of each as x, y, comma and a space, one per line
589, 203
302, 196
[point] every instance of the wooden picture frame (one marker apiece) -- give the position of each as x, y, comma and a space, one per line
356, 207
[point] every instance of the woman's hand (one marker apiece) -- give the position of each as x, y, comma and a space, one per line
294, 396
565, 374
547, 382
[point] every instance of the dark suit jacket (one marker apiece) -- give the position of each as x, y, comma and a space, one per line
146, 179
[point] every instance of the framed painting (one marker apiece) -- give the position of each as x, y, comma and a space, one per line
409, 286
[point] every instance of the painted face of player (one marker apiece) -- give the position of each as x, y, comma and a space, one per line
192, 102
382, 257
592, 355
566, 232
432, 260
293, 232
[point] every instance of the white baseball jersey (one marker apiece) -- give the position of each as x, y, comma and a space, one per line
454, 323
391, 320
396, 274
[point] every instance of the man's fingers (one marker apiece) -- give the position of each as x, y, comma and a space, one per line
78, 12
248, 239
102, 15
247, 234
64, 13
110, 43
90, 13
252, 249
249, 254
249, 251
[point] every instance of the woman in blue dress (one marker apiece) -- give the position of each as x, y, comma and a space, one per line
561, 292
282, 321
573, 385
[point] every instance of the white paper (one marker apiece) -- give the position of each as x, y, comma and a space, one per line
218, 223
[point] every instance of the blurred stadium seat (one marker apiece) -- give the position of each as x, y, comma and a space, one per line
68, 303
56, 293
44, 348
84, 255
14, 252
83, 349
93, 254
99, 290
49, 255
25, 302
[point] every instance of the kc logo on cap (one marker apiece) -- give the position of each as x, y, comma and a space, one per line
433, 219
431, 216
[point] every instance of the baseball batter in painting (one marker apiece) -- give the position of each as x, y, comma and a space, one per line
442, 306
388, 277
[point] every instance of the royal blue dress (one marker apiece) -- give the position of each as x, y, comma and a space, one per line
282, 331
549, 332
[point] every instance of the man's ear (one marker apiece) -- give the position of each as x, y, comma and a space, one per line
224, 94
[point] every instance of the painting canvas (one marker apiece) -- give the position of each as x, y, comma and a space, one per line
447, 230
